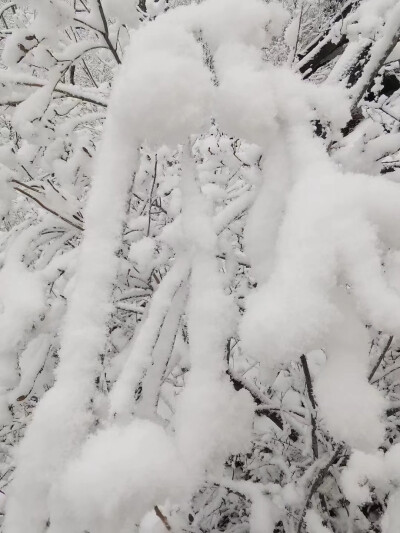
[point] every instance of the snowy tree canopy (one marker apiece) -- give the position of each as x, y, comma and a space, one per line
199, 266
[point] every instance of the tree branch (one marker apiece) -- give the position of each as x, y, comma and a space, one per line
163, 518
310, 392
381, 357
151, 195
106, 34
323, 472
49, 209
4, 8
240, 383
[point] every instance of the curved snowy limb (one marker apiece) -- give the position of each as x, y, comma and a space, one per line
22, 302
290, 313
140, 357
209, 400
266, 214
156, 373
160, 356
332, 235
381, 200
63, 417
31, 362
233, 211
25, 313
22, 83
362, 265
123, 472
322, 245
349, 405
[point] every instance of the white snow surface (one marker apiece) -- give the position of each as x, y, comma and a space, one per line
124, 472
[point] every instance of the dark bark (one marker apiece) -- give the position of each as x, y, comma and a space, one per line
331, 48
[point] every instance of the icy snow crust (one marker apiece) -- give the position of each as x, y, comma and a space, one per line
307, 213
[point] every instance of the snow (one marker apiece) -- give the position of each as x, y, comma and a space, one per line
379, 470
62, 420
391, 518
230, 21
266, 214
262, 516
22, 302
121, 395
370, 13
31, 362
323, 246
32, 109
123, 10
314, 523
122, 471
142, 252
158, 56
258, 112
158, 372
208, 401
364, 470
6, 193
266, 242
351, 408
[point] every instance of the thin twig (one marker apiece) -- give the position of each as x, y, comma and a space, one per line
106, 34
4, 8
163, 518
151, 195
381, 357
314, 440
240, 383
48, 208
21, 184
298, 33
323, 472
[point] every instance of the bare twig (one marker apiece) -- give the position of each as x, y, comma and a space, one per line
4, 8
106, 34
151, 195
48, 208
310, 392
60, 90
298, 33
21, 184
163, 518
381, 357
323, 472
240, 383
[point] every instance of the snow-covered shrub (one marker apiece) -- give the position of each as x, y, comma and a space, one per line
199, 275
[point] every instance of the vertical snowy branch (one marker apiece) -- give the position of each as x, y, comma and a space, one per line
63, 418
212, 420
